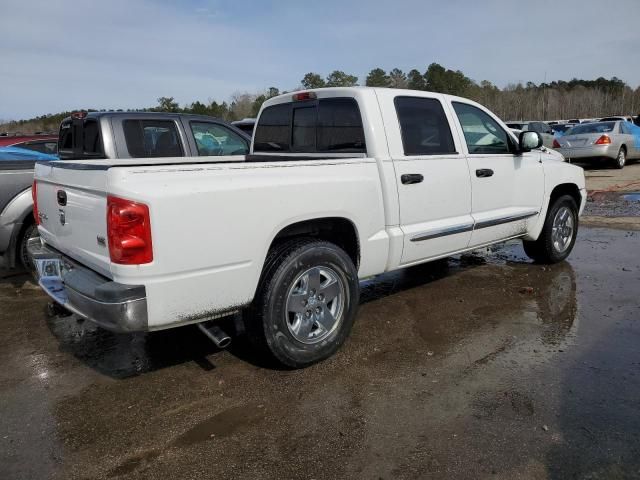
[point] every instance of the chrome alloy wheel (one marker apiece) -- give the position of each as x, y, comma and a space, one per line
563, 229
315, 304
622, 158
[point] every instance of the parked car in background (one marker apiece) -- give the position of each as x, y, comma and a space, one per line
616, 119
19, 153
141, 135
341, 184
104, 135
246, 125
612, 141
539, 127
40, 143
17, 225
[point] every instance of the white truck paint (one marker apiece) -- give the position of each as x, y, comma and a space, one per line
214, 221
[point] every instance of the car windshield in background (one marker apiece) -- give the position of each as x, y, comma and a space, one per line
600, 127
517, 126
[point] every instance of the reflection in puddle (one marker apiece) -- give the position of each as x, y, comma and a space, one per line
632, 197
484, 301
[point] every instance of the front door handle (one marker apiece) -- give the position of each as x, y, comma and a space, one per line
484, 173
411, 178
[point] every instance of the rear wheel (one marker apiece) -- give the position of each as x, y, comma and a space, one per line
621, 159
558, 233
306, 302
29, 231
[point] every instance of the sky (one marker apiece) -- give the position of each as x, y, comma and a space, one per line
60, 55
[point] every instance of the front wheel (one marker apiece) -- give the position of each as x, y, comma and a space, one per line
558, 234
306, 302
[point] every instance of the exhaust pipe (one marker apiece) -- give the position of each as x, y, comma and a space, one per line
216, 335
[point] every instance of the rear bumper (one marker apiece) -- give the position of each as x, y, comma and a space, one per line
592, 151
113, 306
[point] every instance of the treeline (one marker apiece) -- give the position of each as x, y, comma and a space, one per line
546, 101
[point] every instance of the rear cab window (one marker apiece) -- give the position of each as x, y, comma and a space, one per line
326, 125
152, 138
80, 139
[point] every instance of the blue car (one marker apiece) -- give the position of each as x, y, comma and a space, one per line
17, 153
17, 225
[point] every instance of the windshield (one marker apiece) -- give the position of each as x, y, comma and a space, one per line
600, 127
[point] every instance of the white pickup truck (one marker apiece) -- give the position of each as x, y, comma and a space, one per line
340, 184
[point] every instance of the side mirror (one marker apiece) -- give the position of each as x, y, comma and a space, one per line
529, 140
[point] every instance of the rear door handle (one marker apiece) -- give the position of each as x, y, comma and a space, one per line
484, 173
411, 178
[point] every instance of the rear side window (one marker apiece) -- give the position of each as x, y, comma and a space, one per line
331, 125
424, 126
152, 138
213, 139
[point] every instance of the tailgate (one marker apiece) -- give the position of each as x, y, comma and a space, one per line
72, 206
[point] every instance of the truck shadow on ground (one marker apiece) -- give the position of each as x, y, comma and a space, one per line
123, 355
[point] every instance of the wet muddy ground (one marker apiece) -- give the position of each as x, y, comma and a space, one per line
613, 204
481, 366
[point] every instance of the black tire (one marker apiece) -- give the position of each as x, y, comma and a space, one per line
544, 250
269, 320
29, 230
620, 160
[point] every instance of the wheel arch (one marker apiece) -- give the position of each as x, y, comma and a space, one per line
570, 189
565, 188
338, 230
17, 213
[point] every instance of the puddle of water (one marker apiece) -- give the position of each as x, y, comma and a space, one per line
632, 197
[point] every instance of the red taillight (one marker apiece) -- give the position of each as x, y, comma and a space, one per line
555, 143
603, 140
34, 196
299, 97
129, 232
